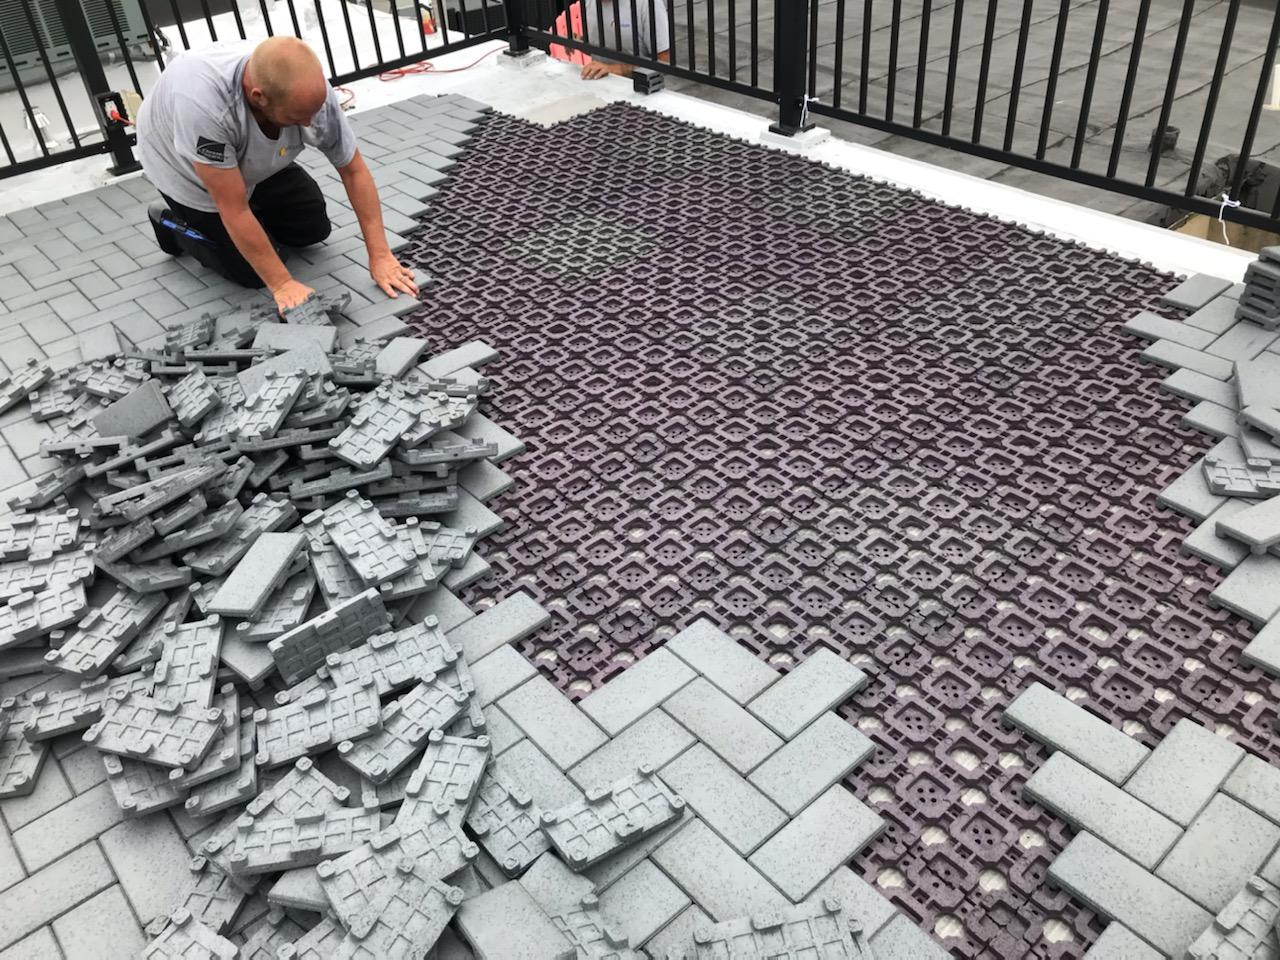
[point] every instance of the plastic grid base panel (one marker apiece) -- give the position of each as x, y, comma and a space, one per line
588, 931
140, 788
366, 540
508, 824
186, 938
20, 759
316, 722
354, 882
395, 659
301, 651
267, 844
844, 415
193, 398
104, 632
408, 914
162, 732
27, 616
406, 724
819, 930
447, 777
610, 818
24, 534
187, 670
52, 713
211, 896
1245, 927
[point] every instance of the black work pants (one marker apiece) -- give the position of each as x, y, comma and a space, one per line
290, 207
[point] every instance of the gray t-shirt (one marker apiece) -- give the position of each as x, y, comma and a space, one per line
197, 113
616, 15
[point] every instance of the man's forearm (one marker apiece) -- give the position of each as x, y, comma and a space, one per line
254, 245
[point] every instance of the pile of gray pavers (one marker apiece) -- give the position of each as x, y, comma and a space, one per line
1177, 847
235, 588
1225, 356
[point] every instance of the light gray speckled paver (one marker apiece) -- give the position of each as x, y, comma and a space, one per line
655, 739
713, 875
1195, 291
1190, 494
1150, 326
1213, 419
263, 568
860, 899
1252, 589
1054, 720
499, 672
299, 889
1195, 387
719, 658
825, 680
642, 901
1264, 649
1116, 887
1184, 771
1224, 846
1175, 356
1258, 526
731, 806
474, 353
740, 739
630, 695
1089, 802
1256, 784
825, 835
1118, 942
560, 729
1205, 543
508, 621
900, 939
676, 936
507, 922
1244, 341
1258, 381
553, 885
526, 765
821, 755
608, 819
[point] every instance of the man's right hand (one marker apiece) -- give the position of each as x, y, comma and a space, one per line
289, 294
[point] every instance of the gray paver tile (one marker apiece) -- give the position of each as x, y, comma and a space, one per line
1195, 387
1089, 802
642, 901
149, 856
1150, 326
1118, 942
506, 922
1190, 494
1252, 589
67, 826
52, 891
552, 721
1205, 543
498, 673
83, 769
823, 681
1244, 341
826, 834
10, 869
1256, 784
655, 739
731, 806
735, 735
1054, 720
1184, 771
900, 939
630, 695
529, 767
101, 926
1175, 356
676, 936
39, 946
1224, 846
714, 876
719, 658
1264, 648
508, 621
821, 755
859, 899
553, 885
1210, 418
500, 730
1119, 889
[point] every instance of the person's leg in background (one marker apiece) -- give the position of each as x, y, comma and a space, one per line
290, 206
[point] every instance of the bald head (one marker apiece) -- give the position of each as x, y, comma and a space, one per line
284, 81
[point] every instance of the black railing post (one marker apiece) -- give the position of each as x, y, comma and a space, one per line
89, 65
791, 65
517, 37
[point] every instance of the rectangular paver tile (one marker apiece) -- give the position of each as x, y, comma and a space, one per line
1057, 722
1184, 771
1195, 291
1190, 494
859, 899
1224, 846
1116, 887
714, 876
1252, 589
148, 855
1256, 784
608, 870
508, 621
642, 902
630, 695
10, 869
714, 718
1150, 326
719, 658
101, 926
551, 720
38, 946
1089, 802
731, 806
499, 672
826, 834
823, 681
1118, 942
675, 937
1205, 543
500, 730
821, 755
529, 767
655, 739
900, 939
1175, 356
52, 891
63, 828
506, 922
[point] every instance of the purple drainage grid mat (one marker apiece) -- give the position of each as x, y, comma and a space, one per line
821, 410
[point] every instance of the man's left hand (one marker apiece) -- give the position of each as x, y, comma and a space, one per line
392, 276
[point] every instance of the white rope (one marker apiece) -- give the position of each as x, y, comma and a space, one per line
804, 109
1222, 208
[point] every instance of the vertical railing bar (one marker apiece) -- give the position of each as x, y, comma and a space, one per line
733, 40
691, 38
813, 50
153, 35
1171, 85
1215, 87
182, 30
1051, 85
755, 41
293, 17
235, 15
635, 29
443, 25
465, 19
124, 47
351, 36
1130, 79
373, 29
671, 32
984, 71
1015, 87
838, 80
324, 37
953, 60
266, 17
1091, 77
922, 58
1259, 96
711, 37
653, 27
864, 68
208, 20
22, 95
53, 81
891, 90
488, 28
395, 22
8, 150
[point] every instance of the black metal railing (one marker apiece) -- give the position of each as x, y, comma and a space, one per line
1112, 94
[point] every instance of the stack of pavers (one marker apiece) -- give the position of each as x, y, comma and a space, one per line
254, 509
1226, 358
